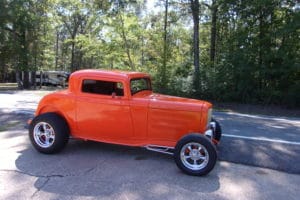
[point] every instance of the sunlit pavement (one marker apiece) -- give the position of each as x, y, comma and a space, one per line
89, 170
20, 102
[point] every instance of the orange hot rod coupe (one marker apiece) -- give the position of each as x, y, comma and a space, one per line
120, 107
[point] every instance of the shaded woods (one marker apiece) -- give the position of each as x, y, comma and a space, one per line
223, 50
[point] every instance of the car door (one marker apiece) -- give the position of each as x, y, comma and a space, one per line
103, 111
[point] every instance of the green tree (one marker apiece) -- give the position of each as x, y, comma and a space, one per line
20, 24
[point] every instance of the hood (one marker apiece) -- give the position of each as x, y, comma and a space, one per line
160, 101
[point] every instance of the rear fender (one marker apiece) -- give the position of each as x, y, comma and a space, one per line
47, 109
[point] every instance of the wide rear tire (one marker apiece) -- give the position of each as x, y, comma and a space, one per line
49, 133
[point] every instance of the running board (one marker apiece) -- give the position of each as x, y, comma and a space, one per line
160, 149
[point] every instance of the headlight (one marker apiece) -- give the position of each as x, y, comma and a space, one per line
209, 114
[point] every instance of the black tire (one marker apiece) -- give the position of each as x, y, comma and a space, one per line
207, 152
218, 133
49, 133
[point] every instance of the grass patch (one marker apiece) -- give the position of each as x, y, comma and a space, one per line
8, 86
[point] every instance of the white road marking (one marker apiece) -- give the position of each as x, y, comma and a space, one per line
263, 117
261, 139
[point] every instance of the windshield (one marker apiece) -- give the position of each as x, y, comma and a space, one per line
140, 84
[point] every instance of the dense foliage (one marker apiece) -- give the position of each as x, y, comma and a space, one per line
224, 50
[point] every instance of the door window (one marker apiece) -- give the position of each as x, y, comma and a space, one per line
102, 87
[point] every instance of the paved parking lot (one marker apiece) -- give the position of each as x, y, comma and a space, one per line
90, 170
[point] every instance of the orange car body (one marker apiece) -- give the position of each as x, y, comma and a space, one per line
140, 119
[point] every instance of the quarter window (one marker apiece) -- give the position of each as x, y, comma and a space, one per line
102, 87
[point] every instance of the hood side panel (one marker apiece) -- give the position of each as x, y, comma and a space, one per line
158, 101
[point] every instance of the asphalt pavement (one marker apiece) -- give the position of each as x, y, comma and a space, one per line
263, 141
90, 170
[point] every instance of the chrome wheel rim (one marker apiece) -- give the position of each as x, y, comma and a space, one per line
194, 156
43, 134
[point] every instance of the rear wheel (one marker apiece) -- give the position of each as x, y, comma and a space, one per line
49, 133
195, 155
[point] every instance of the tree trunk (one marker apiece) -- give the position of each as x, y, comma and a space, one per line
126, 45
73, 67
33, 81
260, 51
195, 7
24, 59
2, 70
19, 79
213, 33
56, 51
164, 65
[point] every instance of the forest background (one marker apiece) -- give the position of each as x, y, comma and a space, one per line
222, 50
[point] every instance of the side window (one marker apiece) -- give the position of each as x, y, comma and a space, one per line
102, 87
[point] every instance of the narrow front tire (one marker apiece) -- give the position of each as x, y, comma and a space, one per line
195, 155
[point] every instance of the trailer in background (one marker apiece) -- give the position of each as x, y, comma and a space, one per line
52, 78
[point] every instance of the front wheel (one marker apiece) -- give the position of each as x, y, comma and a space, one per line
48, 133
195, 155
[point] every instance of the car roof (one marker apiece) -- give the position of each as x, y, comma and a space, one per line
109, 73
